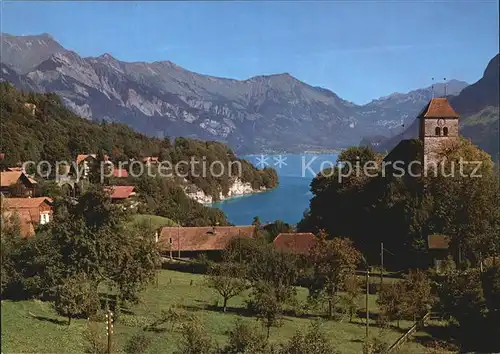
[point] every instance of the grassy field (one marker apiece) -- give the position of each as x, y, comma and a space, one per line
34, 327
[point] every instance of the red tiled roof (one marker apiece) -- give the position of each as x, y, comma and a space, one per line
298, 243
27, 210
438, 108
17, 169
438, 242
120, 172
120, 192
201, 238
8, 178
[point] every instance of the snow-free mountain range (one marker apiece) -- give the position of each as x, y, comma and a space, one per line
260, 114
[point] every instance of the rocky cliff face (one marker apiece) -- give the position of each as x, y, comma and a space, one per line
263, 113
237, 188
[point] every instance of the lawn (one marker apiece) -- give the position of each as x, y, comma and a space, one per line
154, 220
33, 326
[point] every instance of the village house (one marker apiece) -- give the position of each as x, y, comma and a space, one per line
16, 169
30, 211
190, 242
120, 193
87, 160
439, 249
296, 243
9, 179
120, 173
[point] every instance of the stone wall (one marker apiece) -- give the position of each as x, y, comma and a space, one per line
432, 142
429, 126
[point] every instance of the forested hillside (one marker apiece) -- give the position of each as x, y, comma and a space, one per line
53, 133
401, 210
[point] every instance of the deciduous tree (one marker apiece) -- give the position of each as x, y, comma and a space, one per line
265, 303
194, 339
391, 302
333, 261
245, 339
227, 279
75, 297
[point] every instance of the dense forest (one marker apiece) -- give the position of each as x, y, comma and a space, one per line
402, 211
53, 133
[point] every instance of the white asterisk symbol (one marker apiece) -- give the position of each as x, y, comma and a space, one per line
262, 161
280, 161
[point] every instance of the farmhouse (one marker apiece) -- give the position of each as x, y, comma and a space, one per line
120, 173
30, 211
120, 193
190, 242
86, 160
297, 243
9, 179
439, 249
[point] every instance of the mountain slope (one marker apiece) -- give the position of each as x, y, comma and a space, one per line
478, 106
22, 53
262, 113
52, 133
399, 109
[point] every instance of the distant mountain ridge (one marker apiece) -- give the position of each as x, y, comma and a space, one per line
478, 106
263, 113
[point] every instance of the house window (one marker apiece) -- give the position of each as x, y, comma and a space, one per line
44, 218
438, 131
445, 131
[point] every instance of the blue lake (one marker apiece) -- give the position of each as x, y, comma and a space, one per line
286, 202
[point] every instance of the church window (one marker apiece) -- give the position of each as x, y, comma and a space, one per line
445, 131
438, 131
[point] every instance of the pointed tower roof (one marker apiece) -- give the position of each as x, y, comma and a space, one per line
438, 108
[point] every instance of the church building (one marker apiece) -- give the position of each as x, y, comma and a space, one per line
438, 123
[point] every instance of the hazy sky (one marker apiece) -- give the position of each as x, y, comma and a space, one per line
359, 49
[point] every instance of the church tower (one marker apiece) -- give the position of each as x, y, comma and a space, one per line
438, 122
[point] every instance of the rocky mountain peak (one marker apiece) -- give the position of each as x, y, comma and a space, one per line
23, 53
261, 113
492, 70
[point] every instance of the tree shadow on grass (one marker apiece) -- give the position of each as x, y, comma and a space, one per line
51, 320
155, 329
362, 314
127, 312
241, 311
434, 334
